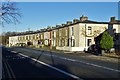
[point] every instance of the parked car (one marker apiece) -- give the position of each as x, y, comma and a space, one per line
92, 48
21, 44
112, 50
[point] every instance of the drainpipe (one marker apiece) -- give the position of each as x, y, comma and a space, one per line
85, 36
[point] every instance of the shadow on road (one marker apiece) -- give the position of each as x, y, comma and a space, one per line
25, 68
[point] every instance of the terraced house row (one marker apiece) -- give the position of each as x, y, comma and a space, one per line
76, 35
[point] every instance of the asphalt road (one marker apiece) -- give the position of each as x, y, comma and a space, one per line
0, 62
82, 67
16, 67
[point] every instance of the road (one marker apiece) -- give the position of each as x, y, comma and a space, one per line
0, 62
81, 67
16, 67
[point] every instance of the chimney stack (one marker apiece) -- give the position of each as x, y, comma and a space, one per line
112, 19
75, 20
69, 22
83, 18
63, 24
58, 26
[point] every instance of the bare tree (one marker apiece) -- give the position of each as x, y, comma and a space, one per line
9, 13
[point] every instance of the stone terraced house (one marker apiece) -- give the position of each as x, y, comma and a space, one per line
77, 35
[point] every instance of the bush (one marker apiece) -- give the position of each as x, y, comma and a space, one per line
106, 41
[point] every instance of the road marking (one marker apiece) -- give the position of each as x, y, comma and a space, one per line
73, 60
9, 71
12, 73
99, 66
13, 51
66, 73
86, 63
90, 64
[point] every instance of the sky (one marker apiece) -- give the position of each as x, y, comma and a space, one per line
38, 15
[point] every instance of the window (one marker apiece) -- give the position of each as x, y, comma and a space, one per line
88, 42
72, 31
66, 32
54, 34
59, 32
18, 38
26, 37
37, 36
89, 30
33, 37
29, 37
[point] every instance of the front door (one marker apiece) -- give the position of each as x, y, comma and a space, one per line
88, 42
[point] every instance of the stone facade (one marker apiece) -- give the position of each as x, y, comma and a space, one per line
72, 36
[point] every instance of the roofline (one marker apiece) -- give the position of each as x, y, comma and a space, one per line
67, 26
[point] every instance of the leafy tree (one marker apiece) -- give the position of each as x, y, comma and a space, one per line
106, 41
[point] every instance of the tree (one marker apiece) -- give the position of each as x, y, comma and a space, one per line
106, 41
9, 13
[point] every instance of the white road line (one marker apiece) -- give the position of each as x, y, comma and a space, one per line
73, 60
66, 73
13, 51
88, 64
99, 66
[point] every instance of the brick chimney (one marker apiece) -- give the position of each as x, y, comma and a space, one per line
58, 26
112, 19
75, 20
63, 24
69, 22
83, 18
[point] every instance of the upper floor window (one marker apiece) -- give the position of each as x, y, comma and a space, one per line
37, 36
72, 31
32, 36
66, 32
18, 38
26, 37
89, 30
59, 32
54, 33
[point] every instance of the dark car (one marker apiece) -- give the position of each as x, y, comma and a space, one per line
92, 48
21, 44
